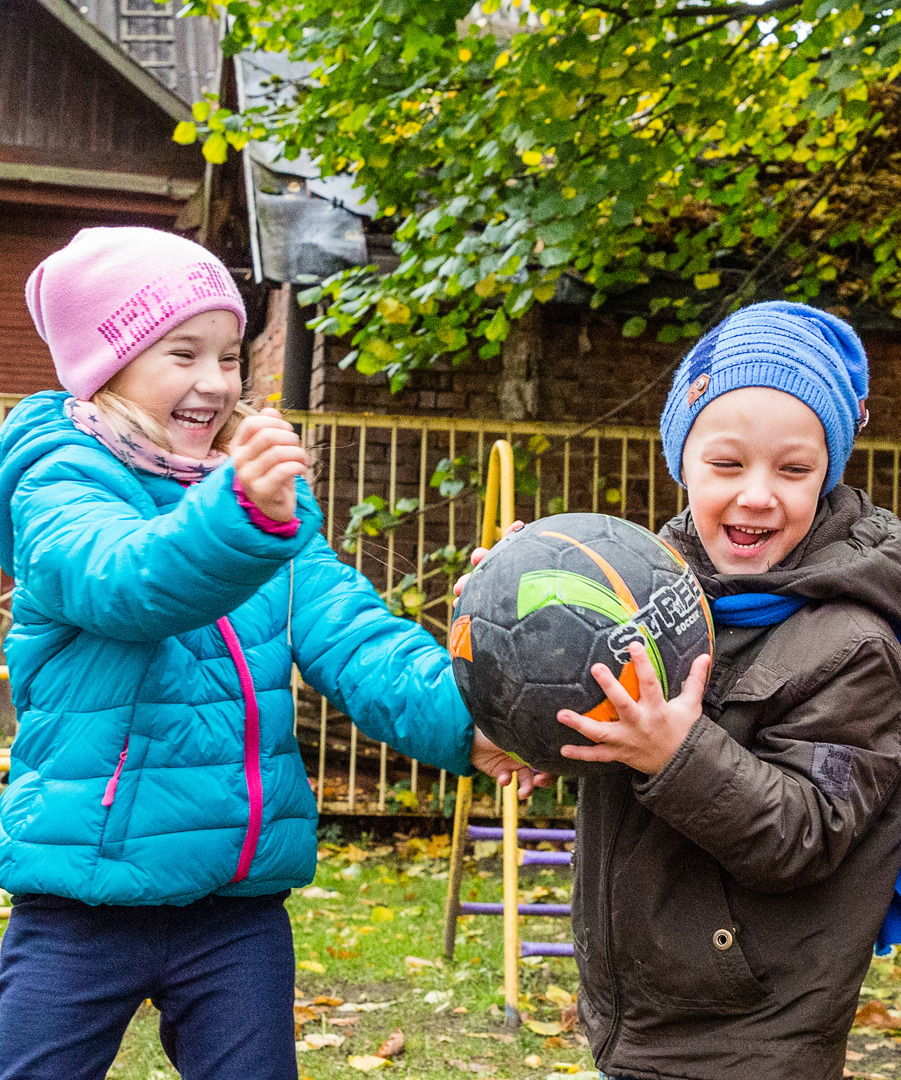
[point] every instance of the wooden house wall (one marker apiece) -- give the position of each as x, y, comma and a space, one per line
62, 105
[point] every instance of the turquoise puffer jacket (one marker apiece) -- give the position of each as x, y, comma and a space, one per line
150, 662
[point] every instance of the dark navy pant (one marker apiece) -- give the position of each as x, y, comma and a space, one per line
221, 972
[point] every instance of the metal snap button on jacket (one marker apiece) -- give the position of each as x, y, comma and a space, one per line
723, 939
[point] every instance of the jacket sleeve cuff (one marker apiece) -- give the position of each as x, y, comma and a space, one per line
261, 520
692, 790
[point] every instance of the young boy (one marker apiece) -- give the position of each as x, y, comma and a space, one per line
738, 849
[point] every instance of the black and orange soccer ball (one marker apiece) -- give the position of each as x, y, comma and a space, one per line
547, 603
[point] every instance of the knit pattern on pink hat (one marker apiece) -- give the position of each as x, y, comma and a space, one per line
112, 292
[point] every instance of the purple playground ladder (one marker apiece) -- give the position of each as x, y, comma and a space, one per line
530, 858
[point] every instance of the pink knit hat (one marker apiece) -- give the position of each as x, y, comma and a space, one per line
112, 292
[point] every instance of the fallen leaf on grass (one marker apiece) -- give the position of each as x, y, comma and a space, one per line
381, 914
333, 1001
559, 996
579, 1075
316, 892
417, 963
489, 1035
460, 1009
393, 1045
343, 1021
473, 1066
438, 997
311, 965
544, 1027
555, 1043
304, 1015
875, 1015
852, 1055
366, 1062
315, 1041
569, 1016
533, 1061
318, 1040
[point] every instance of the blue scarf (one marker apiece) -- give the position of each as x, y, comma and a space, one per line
767, 609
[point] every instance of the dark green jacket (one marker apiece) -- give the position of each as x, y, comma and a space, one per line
725, 908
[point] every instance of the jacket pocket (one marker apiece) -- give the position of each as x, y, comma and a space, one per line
674, 937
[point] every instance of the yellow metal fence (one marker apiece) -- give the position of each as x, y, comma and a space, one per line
616, 469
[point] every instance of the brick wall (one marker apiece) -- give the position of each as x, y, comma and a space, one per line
586, 368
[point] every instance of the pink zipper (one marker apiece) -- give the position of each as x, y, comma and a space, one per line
113, 781
251, 750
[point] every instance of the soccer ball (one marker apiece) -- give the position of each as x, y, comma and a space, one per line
547, 603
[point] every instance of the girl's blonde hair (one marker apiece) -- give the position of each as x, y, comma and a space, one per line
126, 418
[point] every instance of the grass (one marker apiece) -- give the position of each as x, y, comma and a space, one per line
369, 941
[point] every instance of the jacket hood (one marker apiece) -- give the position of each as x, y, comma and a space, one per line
852, 552
36, 426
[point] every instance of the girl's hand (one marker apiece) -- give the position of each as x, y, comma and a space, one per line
267, 456
476, 557
493, 761
650, 730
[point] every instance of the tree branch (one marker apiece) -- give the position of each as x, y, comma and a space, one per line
732, 11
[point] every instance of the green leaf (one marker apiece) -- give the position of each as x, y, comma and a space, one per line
635, 327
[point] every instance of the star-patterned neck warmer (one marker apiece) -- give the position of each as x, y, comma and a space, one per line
136, 450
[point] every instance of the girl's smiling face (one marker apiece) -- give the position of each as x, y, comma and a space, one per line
189, 381
754, 464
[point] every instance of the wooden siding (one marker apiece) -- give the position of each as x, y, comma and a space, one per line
26, 239
62, 105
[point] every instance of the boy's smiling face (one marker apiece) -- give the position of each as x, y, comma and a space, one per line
754, 464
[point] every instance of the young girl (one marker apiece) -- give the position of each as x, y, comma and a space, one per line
738, 847
158, 812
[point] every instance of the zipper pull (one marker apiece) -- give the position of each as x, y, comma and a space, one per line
113, 781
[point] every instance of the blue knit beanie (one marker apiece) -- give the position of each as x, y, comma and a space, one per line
806, 352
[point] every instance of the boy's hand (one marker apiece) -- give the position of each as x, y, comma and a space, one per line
493, 761
267, 456
478, 554
650, 730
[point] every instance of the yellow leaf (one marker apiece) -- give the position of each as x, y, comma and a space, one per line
487, 286
544, 291
559, 996
543, 1027
502, 60
393, 311
382, 914
569, 193
311, 965
215, 149
185, 133
612, 495
707, 281
366, 1062
531, 157
464, 55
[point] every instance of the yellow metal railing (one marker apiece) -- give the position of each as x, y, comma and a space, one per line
616, 469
